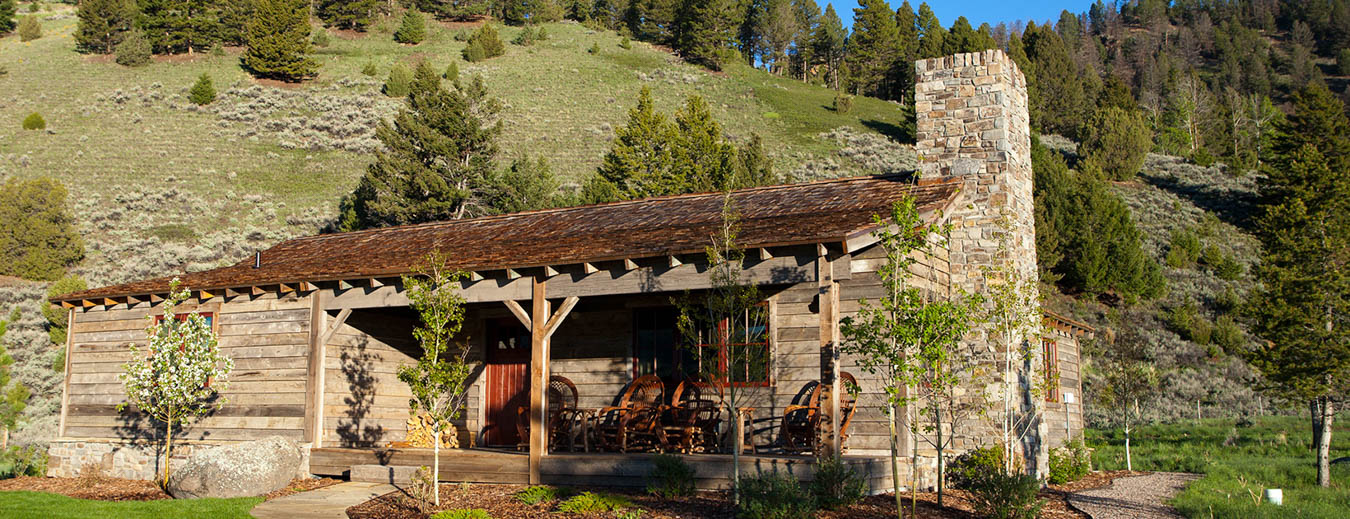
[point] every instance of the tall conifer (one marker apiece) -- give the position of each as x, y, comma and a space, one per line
346, 14
640, 162
7, 10
102, 23
873, 47
278, 41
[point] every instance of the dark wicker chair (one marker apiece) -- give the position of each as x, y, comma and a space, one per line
693, 417
562, 415
802, 422
636, 421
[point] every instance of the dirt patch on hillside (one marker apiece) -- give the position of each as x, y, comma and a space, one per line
470, 22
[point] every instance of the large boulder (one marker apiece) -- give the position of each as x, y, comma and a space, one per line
240, 470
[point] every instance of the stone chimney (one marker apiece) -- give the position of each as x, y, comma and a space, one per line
973, 123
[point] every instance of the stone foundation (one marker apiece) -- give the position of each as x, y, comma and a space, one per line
67, 458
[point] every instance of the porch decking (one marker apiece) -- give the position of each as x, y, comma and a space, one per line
712, 471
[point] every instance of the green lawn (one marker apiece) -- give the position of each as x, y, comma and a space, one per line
1239, 463
40, 505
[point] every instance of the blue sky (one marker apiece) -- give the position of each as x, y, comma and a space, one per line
977, 11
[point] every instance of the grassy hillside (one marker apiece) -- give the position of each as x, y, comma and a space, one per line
158, 185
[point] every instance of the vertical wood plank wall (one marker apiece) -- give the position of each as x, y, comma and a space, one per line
1070, 381
267, 338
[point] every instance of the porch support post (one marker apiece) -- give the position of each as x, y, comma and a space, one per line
314, 375
539, 356
65, 385
828, 307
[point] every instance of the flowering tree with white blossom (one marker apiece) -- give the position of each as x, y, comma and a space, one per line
178, 377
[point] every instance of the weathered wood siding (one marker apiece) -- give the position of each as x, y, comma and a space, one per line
1070, 381
365, 405
268, 338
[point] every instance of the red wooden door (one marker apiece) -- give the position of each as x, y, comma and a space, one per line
508, 386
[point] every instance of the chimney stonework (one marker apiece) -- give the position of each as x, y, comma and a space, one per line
973, 123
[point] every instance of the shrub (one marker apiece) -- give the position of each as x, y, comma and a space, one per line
369, 69
218, 51
484, 44
997, 495
836, 484
595, 48
1228, 268
29, 29
592, 502
964, 469
625, 44
462, 513
413, 29
542, 34
463, 35
38, 239
1183, 248
771, 495
1070, 463
23, 461
421, 488
1343, 62
399, 82
1117, 140
134, 51
671, 477
34, 121
1228, 300
451, 72
203, 92
525, 38
536, 494
843, 103
321, 38
1228, 335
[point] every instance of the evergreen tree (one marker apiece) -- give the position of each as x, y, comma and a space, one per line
413, 29
641, 162
278, 41
704, 160
963, 38
347, 14
7, 10
484, 44
655, 20
1303, 298
202, 92
174, 26
38, 239
13, 398
1054, 89
932, 37
907, 29
134, 50
873, 47
827, 44
707, 30
525, 186
29, 28
755, 168
1117, 140
438, 158
802, 53
778, 28
233, 16
102, 23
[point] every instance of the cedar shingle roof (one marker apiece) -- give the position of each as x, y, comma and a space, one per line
828, 211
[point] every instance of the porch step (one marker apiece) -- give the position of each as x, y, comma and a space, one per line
402, 474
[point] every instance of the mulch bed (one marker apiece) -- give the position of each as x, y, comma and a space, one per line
114, 489
498, 500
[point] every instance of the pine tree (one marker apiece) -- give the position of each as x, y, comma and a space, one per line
640, 162
802, 53
932, 37
233, 17
907, 29
827, 44
347, 14
174, 26
1304, 290
413, 29
278, 41
134, 50
1054, 89
1117, 140
38, 239
525, 186
778, 28
484, 44
962, 38
873, 46
7, 10
704, 160
202, 92
13, 398
706, 30
755, 168
399, 82
438, 158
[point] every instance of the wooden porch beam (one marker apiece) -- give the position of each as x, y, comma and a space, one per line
520, 313
829, 342
332, 329
539, 356
65, 385
557, 319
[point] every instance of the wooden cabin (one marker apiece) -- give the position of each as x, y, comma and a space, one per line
1062, 357
318, 325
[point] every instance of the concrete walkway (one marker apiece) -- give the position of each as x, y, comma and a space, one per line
1134, 497
327, 502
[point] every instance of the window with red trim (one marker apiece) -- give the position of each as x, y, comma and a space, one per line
742, 359
210, 318
1051, 359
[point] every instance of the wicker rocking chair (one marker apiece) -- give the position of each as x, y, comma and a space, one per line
636, 421
802, 423
562, 415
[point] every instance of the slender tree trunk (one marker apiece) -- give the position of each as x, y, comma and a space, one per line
1324, 445
895, 461
436, 467
1128, 465
168, 450
941, 452
1315, 413
736, 448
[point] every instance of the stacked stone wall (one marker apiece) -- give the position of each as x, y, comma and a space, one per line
973, 123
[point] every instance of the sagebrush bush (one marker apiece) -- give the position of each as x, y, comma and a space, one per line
595, 48
34, 121
1070, 463
836, 484
321, 38
369, 69
963, 470
134, 50
29, 29
536, 494
203, 92
997, 495
462, 513
773, 495
671, 476
399, 82
592, 502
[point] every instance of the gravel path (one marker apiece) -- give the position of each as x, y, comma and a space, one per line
1133, 497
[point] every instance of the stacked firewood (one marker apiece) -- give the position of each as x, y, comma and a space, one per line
421, 433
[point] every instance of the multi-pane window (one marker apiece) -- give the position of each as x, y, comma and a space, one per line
733, 352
